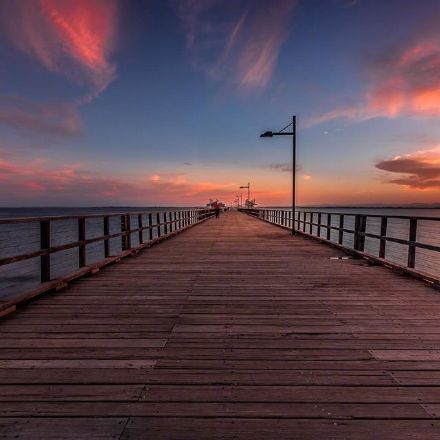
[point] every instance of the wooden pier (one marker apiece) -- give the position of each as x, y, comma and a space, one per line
233, 329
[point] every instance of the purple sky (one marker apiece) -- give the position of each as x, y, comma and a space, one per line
106, 102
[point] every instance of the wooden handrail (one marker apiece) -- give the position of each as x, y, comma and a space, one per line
173, 222
359, 232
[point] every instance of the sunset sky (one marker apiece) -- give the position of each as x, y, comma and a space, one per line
161, 102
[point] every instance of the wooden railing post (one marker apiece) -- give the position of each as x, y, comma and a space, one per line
329, 225
106, 232
158, 225
341, 227
125, 229
45, 245
319, 225
150, 224
362, 230
412, 243
359, 231
311, 215
383, 234
171, 220
165, 223
128, 223
141, 232
356, 232
81, 238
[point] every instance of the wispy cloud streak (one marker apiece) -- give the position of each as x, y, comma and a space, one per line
40, 181
70, 37
401, 82
243, 44
54, 119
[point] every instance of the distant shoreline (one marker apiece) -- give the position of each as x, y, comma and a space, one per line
359, 207
415, 206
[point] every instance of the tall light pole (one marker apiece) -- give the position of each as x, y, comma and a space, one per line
293, 134
249, 191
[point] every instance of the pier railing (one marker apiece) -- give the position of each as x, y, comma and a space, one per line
392, 240
89, 242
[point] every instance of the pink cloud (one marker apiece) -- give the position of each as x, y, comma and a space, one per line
404, 82
418, 170
244, 46
46, 118
40, 182
71, 37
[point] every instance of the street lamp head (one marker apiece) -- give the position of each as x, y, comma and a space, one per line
266, 134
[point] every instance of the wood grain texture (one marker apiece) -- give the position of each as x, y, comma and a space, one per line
232, 330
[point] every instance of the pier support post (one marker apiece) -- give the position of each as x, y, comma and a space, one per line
82, 245
45, 245
106, 232
383, 234
412, 243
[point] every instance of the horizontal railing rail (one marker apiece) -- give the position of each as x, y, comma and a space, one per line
320, 224
148, 228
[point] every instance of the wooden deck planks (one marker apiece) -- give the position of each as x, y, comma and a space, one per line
232, 330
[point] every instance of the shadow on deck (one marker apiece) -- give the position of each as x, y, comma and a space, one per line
233, 329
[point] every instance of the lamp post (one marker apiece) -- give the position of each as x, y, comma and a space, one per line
249, 192
293, 134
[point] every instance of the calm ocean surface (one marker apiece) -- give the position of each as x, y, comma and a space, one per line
22, 238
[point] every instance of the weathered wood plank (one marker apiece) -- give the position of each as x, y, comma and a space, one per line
62, 428
263, 429
234, 329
